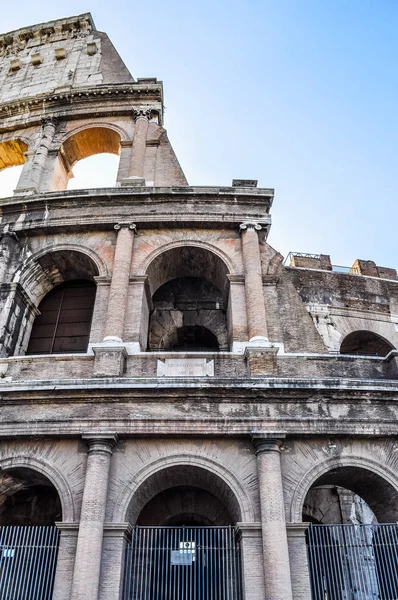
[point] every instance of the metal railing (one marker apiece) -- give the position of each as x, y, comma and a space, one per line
353, 562
182, 563
28, 557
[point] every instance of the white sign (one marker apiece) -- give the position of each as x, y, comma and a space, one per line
185, 367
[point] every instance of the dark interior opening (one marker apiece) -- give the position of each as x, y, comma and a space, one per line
64, 322
365, 343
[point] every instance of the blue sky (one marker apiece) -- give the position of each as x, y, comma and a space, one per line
301, 95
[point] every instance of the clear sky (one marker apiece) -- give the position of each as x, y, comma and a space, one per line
299, 94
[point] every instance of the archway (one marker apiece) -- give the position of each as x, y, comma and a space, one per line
81, 145
352, 548
365, 343
184, 536
189, 290
28, 497
12, 158
61, 284
29, 507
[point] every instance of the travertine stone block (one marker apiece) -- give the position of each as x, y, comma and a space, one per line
109, 361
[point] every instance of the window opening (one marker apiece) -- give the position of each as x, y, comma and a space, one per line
64, 323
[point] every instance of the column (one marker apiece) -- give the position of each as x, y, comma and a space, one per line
8, 244
255, 306
91, 529
116, 538
250, 539
65, 560
136, 169
275, 548
299, 560
32, 173
118, 294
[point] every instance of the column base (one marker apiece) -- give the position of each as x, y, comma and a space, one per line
261, 360
133, 181
31, 191
110, 360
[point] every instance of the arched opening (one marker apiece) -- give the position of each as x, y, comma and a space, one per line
189, 290
352, 544
184, 536
12, 158
365, 343
98, 171
79, 156
64, 322
28, 498
67, 312
29, 507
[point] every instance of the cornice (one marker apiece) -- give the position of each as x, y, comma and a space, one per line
74, 98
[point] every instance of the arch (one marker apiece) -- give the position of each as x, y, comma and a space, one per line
124, 137
187, 260
143, 268
12, 153
189, 288
53, 475
147, 478
374, 473
90, 140
365, 343
37, 277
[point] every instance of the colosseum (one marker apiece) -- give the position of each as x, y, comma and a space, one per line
185, 414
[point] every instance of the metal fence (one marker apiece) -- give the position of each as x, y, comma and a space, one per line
182, 563
27, 562
353, 562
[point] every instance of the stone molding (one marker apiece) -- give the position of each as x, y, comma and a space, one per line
268, 441
100, 442
296, 530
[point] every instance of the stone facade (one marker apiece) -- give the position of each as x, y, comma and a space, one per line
219, 385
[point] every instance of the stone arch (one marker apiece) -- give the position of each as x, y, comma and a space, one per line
124, 137
143, 267
189, 288
12, 152
365, 343
376, 484
83, 142
87, 141
53, 475
147, 483
37, 281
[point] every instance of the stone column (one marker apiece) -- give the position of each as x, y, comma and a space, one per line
136, 169
116, 537
32, 175
255, 306
65, 560
118, 294
8, 245
250, 538
275, 548
299, 560
86, 573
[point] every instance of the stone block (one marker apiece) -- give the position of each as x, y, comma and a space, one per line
109, 360
261, 361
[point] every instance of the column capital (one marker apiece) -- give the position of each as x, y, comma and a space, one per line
250, 226
267, 441
131, 226
142, 113
100, 442
49, 121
